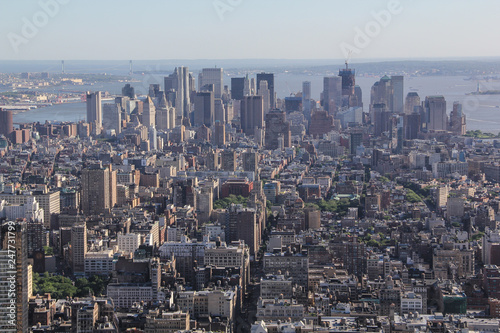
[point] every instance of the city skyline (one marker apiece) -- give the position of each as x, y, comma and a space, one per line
223, 29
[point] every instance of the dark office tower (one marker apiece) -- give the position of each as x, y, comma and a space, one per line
398, 93
204, 108
6, 123
382, 119
356, 139
250, 161
269, 77
94, 109
14, 262
411, 126
154, 90
219, 137
219, 110
457, 119
381, 93
237, 88
128, 91
277, 130
252, 114
435, 108
348, 80
212, 76
332, 93
412, 100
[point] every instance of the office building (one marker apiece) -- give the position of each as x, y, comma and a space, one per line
111, 118
269, 77
94, 111
149, 113
78, 247
180, 82
204, 109
435, 110
457, 120
332, 94
237, 88
412, 100
212, 76
263, 90
398, 93
252, 114
382, 93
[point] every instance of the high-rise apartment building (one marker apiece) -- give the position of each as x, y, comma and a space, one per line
78, 247
98, 190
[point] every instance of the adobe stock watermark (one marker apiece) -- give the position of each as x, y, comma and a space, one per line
223, 6
363, 37
31, 27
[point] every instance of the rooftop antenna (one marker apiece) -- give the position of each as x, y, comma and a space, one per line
347, 59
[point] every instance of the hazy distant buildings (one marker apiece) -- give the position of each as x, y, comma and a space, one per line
332, 93
111, 118
269, 77
382, 93
306, 99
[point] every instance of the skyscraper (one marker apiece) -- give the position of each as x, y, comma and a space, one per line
412, 100
212, 76
219, 137
14, 262
237, 88
277, 129
250, 161
252, 114
149, 113
6, 123
306, 99
269, 77
78, 247
111, 117
398, 93
381, 93
435, 109
94, 111
457, 119
98, 190
332, 93
204, 109
266, 95
180, 82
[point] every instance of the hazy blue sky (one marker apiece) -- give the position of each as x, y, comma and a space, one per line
242, 29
